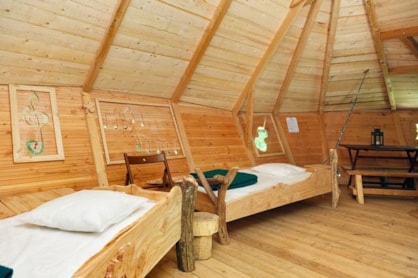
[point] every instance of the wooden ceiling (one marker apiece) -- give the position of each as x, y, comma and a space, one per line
260, 55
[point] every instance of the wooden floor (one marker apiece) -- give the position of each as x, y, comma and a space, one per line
311, 239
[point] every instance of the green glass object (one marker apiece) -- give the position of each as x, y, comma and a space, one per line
259, 141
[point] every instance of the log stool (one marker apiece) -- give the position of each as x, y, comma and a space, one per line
205, 224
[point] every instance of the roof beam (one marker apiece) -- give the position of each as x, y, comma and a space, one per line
105, 45
370, 7
200, 50
393, 34
277, 38
332, 30
404, 69
412, 44
297, 55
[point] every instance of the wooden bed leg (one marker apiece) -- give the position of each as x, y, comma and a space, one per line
359, 189
184, 247
221, 211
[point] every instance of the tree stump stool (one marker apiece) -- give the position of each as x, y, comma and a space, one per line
205, 224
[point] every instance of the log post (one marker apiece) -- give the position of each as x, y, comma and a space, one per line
99, 164
334, 177
221, 208
184, 247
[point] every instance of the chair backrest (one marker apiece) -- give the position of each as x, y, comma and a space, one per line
130, 160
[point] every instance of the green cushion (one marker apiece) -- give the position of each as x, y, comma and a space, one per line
240, 180
5, 272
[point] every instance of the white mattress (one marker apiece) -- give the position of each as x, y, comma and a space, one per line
264, 181
33, 251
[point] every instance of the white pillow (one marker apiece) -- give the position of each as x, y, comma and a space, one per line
85, 210
279, 169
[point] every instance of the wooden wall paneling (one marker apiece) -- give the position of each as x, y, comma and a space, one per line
275, 149
76, 170
358, 132
214, 139
284, 140
135, 127
116, 172
183, 136
244, 136
305, 145
408, 121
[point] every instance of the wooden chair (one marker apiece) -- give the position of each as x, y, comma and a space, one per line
131, 160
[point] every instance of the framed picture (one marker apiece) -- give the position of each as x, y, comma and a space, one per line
36, 128
135, 127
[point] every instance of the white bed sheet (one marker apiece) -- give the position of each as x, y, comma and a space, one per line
263, 181
33, 251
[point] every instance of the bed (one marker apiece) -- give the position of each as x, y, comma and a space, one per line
131, 246
277, 184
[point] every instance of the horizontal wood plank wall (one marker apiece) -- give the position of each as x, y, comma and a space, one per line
358, 131
305, 145
116, 172
77, 170
214, 138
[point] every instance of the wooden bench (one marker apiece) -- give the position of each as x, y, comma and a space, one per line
359, 191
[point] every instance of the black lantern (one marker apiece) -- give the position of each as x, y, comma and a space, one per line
377, 137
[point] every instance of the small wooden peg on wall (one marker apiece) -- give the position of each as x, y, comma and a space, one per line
89, 106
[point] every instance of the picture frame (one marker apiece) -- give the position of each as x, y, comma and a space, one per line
137, 127
36, 129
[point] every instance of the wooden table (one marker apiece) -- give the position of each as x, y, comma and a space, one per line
358, 151
386, 187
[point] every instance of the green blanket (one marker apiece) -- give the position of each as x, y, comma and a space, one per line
5, 272
240, 180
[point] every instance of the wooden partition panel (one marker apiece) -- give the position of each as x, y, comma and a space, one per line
214, 138
305, 141
137, 127
76, 170
114, 104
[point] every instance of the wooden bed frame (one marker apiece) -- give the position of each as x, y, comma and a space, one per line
135, 250
322, 180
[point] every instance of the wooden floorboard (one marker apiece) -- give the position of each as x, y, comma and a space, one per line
312, 239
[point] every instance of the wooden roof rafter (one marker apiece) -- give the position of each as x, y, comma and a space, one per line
295, 3
200, 50
406, 35
332, 30
398, 33
106, 43
297, 54
370, 7
277, 38
412, 44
